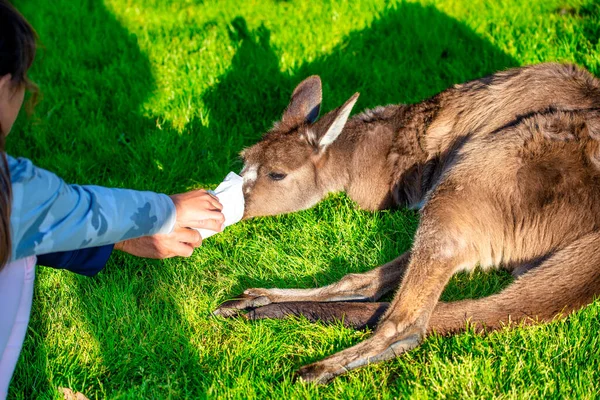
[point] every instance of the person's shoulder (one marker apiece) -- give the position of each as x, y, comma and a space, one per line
28, 179
21, 169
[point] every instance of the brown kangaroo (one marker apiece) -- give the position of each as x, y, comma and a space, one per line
506, 173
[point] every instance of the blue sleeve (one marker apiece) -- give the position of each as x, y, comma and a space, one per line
86, 262
50, 216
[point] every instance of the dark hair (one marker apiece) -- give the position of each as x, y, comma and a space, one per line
17, 45
17, 51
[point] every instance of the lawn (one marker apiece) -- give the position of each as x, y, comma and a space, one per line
162, 95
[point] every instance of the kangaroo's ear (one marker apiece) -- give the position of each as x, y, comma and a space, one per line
305, 104
335, 122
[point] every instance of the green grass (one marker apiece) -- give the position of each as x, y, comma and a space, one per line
162, 95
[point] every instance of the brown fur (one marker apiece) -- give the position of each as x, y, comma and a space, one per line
506, 171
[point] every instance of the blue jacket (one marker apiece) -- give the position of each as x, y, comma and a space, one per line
50, 216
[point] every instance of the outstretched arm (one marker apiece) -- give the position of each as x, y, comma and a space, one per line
50, 216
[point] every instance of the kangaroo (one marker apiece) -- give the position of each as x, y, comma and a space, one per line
505, 171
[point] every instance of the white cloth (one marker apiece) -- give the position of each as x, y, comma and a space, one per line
230, 194
16, 293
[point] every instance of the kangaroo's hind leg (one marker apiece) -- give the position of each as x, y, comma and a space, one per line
559, 284
564, 282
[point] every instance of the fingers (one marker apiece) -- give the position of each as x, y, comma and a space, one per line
182, 249
203, 195
195, 206
189, 236
211, 224
212, 220
215, 201
213, 215
179, 243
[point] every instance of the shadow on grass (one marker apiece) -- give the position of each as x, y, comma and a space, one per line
94, 79
95, 67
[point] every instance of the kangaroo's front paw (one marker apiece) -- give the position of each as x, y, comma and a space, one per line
245, 302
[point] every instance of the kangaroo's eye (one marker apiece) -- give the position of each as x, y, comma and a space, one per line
276, 176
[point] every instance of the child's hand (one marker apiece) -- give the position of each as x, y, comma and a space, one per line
181, 242
198, 209
195, 209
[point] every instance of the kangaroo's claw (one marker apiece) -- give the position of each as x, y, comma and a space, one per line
234, 308
374, 350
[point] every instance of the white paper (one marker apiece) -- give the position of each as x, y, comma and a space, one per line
230, 194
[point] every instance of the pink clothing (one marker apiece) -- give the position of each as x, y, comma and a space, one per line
16, 293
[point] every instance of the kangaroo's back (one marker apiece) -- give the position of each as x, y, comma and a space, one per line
484, 105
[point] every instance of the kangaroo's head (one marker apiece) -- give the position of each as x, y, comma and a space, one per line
284, 171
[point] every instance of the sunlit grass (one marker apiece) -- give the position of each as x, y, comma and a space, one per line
162, 95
